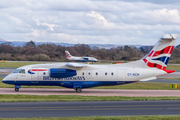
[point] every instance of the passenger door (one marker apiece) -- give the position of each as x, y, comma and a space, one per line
121, 76
34, 75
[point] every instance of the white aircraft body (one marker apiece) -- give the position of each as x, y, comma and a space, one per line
80, 59
79, 76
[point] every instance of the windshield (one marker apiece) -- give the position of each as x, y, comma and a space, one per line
19, 71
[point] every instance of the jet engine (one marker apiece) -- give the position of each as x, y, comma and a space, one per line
61, 73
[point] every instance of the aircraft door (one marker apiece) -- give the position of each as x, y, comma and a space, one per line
89, 74
34, 75
121, 76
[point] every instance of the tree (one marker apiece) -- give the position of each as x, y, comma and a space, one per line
30, 44
142, 50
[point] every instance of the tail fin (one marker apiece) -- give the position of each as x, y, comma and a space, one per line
159, 55
68, 55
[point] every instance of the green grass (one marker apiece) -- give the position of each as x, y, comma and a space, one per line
18, 64
58, 98
152, 117
173, 67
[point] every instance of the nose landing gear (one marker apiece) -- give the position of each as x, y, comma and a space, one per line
17, 87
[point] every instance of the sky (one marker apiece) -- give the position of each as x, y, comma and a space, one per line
121, 22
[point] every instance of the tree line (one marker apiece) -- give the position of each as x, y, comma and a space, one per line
51, 52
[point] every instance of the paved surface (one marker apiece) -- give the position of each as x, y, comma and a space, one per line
105, 108
6, 70
3, 75
92, 92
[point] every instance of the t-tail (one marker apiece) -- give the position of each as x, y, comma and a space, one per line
159, 56
68, 55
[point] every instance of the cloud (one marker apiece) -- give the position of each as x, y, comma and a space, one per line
89, 21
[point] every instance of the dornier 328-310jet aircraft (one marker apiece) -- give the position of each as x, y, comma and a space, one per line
79, 76
79, 59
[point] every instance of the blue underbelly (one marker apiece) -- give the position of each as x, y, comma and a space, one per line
68, 84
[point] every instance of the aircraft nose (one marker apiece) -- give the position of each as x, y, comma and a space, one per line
3, 80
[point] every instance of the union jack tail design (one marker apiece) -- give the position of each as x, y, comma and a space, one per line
159, 55
68, 55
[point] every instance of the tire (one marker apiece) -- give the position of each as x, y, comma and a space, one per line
16, 89
78, 90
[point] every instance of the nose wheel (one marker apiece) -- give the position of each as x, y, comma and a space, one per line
16, 89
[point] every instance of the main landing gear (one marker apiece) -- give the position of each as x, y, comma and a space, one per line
78, 89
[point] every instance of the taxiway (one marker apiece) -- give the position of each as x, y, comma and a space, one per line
103, 108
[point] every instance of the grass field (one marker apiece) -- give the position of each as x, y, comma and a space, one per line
16, 64
158, 117
173, 67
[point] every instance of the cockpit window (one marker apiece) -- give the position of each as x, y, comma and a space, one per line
19, 71
22, 71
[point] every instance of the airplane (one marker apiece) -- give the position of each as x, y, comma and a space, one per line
80, 59
79, 76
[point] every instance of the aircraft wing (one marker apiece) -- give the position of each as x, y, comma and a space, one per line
76, 65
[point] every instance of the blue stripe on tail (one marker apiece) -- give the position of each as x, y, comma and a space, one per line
164, 59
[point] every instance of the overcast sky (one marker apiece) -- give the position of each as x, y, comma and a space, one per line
131, 22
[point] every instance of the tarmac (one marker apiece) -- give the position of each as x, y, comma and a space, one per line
93, 92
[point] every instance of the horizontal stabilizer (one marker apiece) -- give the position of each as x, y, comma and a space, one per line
169, 37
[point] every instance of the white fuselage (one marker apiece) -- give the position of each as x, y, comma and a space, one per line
88, 76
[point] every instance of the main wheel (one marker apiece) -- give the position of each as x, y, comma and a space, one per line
16, 89
78, 90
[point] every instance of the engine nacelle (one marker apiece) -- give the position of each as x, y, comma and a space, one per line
61, 73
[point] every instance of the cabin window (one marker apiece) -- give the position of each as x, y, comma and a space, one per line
105, 73
96, 73
112, 73
89, 73
83, 73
